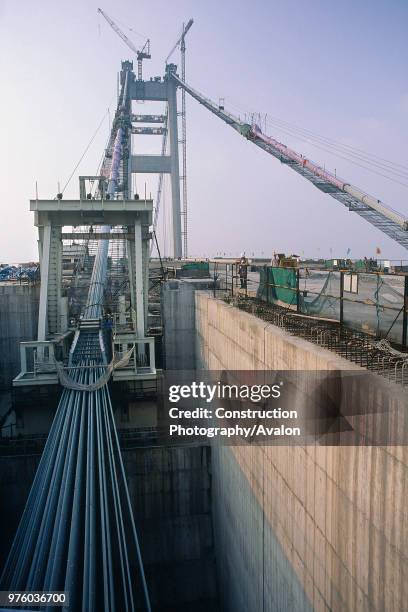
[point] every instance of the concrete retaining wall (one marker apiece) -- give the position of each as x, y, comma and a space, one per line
303, 527
16, 477
178, 307
18, 323
170, 490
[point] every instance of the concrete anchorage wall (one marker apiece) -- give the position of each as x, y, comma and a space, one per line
16, 476
179, 321
18, 323
303, 527
170, 489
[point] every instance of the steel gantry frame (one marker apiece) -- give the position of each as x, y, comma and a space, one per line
390, 222
114, 181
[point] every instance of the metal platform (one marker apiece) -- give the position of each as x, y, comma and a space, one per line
88, 212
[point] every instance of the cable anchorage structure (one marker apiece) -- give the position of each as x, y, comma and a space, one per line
77, 533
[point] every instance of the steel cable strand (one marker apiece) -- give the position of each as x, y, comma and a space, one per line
46, 461
89, 569
107, 569
55, 567
129, 507
30, 528
47, 517
27, 570
72, 582
121, 535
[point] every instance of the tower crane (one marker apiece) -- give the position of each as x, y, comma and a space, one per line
181, 39
144, 53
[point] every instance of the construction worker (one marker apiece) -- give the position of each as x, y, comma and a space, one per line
243, 271
108, 319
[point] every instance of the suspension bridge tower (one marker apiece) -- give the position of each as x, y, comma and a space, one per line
160, 90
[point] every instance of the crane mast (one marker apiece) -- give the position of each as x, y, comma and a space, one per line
182, 43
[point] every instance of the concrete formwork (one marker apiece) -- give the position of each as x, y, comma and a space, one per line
302, 527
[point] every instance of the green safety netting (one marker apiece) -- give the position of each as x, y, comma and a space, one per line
371, 302
377, 307
196, 265
277, 285
319, 293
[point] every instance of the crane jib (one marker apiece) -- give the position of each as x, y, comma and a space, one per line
387, 220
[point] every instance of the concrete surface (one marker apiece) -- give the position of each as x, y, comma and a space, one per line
304, 527
170, 490
178, 314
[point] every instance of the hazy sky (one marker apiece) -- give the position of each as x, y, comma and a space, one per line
338, 69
